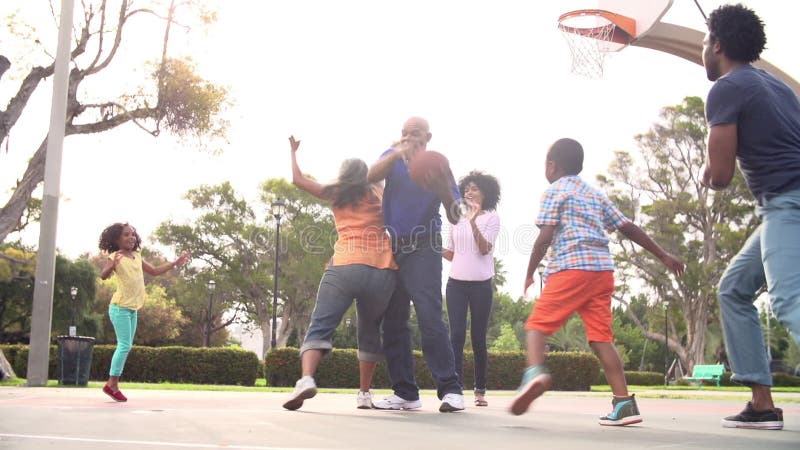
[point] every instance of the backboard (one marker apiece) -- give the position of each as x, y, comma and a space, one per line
646, 13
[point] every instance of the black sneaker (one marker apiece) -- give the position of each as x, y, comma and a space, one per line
768, 419
625, 412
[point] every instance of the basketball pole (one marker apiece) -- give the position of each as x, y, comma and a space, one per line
42, 314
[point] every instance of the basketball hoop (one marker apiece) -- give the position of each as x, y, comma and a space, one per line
591, 34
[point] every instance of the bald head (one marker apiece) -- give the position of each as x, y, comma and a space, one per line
416, 133
417, 122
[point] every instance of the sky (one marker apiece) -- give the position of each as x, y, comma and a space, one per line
492, 78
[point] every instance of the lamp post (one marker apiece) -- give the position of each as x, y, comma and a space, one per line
278, 209
347, 327
212, 286
540, 269
73, 292
666, 343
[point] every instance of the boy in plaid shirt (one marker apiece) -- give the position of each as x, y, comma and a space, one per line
580, 277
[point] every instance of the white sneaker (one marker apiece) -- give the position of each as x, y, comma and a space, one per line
452, 402
304, 389
395, 402
364, 400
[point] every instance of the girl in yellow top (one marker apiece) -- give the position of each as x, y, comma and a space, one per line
122, 244
362, 269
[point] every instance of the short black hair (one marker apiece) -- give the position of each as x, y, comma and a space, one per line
488, 186
110, 237
568, 154
739, 31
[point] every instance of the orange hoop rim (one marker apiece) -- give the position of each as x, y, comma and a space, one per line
624, 30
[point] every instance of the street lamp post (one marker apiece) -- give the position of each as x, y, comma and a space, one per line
666, 343
347, 327
212, 286
540, 269
278, 209
73, 329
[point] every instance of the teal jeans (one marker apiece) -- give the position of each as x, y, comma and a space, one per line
124, 321
771, 257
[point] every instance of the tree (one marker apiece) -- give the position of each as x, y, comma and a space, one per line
174, 98
307, 237
507, 341
238, 252
506, 311
661, 190
221, 237
160, 321
16, 290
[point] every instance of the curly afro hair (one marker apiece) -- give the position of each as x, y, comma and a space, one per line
739, 31
488, 186
110, 237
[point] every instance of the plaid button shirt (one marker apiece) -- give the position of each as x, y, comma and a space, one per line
581, 214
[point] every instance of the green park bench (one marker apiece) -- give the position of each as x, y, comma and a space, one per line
712, 372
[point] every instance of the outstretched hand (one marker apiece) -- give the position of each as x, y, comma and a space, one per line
295, 144
182, 259
674, 264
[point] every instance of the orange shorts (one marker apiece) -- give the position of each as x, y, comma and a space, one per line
569, 291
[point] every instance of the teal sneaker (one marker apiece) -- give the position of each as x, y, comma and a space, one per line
535, 382
625, 412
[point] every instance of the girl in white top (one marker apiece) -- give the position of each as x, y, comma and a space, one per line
470, 249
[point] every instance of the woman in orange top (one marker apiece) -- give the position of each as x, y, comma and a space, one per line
362, 268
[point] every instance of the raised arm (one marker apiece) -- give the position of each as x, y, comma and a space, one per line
380, 170
300, 180
150, 270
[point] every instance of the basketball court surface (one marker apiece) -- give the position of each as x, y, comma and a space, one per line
84, 418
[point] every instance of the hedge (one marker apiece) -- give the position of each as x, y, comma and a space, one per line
572, 371
216, 365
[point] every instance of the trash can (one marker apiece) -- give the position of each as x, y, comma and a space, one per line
74, 359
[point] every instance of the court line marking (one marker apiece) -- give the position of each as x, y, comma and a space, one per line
151, 443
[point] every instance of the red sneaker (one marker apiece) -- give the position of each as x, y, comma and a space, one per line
117, 396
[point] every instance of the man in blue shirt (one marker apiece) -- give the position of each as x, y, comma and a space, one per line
754, 119
411, 215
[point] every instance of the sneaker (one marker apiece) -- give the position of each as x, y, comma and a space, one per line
452, 403
535, 382
769, 419
395, 402
625, 412
304, 389
364, 400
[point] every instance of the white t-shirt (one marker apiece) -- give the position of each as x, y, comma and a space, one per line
468, 263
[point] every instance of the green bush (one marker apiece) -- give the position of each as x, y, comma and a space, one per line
214, 365
571, 370
635, 378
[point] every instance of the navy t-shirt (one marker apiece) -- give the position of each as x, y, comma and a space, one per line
767, 116
409, 210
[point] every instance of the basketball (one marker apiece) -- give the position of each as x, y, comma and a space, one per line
427, 165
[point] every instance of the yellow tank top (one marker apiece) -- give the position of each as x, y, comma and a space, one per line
130, 282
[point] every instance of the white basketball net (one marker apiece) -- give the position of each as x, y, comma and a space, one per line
589, 39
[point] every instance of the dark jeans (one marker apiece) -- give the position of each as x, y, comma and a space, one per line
419, 281
477, 297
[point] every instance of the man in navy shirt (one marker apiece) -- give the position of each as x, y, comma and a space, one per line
754, 119
411, 215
